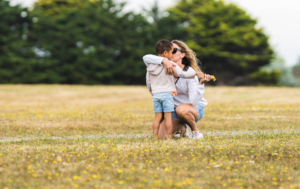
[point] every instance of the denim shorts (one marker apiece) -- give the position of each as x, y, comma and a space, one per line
199, 108
163, 102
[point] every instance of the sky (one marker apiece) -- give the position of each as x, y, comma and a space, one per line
279, 18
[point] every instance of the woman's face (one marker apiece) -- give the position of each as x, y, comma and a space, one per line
178, 55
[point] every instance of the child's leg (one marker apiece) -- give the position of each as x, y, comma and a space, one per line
168, 118
157, 109
156, 123
168, 108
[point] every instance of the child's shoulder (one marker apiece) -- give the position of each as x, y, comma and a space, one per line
155, 69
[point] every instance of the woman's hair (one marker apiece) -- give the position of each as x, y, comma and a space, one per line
190, 56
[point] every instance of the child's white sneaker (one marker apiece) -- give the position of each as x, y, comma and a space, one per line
197, 135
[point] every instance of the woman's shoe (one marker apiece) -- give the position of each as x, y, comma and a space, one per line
197, 135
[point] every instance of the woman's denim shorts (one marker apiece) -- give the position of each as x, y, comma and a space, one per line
199, 108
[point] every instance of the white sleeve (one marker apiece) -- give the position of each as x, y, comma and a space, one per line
189, 74
152, 59
195, 91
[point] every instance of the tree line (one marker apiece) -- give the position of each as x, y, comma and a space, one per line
96, 42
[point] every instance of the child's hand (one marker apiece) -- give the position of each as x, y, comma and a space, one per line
168, 66
174, 64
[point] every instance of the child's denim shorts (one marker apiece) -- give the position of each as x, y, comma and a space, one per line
163, 102
199, 108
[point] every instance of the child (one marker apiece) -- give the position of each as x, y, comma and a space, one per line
162, 86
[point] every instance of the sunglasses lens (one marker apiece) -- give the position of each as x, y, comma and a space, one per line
174, 51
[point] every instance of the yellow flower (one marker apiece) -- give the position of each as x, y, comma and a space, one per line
34, 175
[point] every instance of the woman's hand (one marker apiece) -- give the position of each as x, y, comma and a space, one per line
206, 78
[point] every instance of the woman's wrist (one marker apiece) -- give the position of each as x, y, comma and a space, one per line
200, 74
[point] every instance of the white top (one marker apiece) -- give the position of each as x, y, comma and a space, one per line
188, 90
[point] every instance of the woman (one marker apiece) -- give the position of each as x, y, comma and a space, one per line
189, 101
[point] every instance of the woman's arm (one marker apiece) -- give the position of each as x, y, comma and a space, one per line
189, 74
206, 78
195, 91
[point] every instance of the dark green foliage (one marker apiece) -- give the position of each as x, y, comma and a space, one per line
266, 77
95, 42
225, 37
15, 54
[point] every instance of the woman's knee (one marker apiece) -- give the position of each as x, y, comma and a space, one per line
185, 112
180, 111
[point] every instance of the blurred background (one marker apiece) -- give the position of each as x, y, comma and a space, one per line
241, 42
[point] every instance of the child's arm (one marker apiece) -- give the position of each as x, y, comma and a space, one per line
148, 83
153, 59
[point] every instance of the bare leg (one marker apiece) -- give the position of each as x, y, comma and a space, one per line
188, 113
168, 118
156, 123
162, 132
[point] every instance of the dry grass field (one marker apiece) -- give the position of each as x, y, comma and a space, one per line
240, 161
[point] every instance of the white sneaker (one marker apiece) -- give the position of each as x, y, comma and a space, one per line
197, 135
188, 132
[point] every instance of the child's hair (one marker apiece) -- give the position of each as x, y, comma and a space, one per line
190, 57
162, 46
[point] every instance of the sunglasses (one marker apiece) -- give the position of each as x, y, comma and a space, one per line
175, 50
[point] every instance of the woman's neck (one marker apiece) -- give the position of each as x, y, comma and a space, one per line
179, 63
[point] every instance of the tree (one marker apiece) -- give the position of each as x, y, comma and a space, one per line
225, 37
296, 69
163, 25
287, 77
59, 7
92, 44
15, 54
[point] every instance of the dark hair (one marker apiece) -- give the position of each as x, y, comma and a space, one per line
163, 45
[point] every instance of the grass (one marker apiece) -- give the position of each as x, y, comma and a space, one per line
260, 161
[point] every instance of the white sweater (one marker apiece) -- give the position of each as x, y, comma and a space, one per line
188, 90
157, 79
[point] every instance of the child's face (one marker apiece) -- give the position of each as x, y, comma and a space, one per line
168, 54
